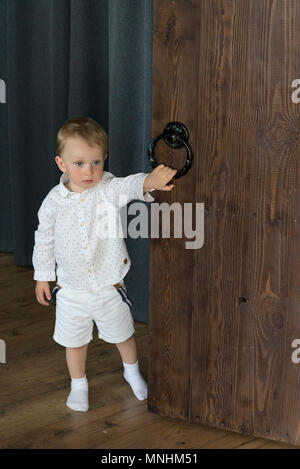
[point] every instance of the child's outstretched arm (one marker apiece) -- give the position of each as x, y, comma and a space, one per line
136, 186
159, 178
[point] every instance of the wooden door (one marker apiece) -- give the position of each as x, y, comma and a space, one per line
222, 318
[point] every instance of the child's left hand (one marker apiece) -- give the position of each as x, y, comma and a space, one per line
159, 178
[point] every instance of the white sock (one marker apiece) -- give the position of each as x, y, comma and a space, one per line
136, 381
78, 398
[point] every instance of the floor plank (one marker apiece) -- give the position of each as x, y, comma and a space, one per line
35, 384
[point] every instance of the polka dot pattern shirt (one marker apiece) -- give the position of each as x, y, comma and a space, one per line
68, 244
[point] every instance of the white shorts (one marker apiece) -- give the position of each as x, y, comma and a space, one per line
76, 310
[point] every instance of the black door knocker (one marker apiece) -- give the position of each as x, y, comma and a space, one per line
175, 135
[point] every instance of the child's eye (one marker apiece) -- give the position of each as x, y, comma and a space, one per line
79, 163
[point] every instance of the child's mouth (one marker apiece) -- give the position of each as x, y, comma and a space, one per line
88, 181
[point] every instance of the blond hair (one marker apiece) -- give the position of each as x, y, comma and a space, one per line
85, 127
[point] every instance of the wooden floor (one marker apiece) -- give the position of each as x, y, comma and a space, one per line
34, 384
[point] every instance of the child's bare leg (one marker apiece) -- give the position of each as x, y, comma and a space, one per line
132, 374
128, 351
76, 359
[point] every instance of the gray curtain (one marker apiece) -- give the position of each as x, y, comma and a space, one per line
62, 59
6, 234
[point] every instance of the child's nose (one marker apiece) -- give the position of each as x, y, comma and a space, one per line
89, 169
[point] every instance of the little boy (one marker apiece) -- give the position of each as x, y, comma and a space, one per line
90, 268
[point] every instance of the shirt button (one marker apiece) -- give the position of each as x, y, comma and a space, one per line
81, 199
81, 224
85, 247
90, 270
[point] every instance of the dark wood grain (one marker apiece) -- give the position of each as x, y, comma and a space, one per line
222, 318
171, 265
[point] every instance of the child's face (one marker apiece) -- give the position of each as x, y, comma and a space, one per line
83, 163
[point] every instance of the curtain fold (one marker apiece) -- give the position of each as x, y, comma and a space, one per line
130, 86
70, 58
6, 234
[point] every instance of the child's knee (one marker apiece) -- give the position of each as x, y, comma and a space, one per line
77, 349
126, 341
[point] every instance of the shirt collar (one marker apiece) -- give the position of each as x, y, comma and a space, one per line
64, 179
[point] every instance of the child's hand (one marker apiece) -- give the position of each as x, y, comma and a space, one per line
42, 291
159, 178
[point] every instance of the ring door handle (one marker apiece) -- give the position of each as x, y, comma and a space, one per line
175, 135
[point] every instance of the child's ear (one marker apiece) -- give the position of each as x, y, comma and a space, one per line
59, 162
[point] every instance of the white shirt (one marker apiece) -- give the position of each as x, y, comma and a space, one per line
67, 233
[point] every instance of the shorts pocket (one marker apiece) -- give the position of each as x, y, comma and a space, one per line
54, 293
121, 289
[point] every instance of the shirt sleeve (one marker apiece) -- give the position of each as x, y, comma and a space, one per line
120, 191
43, 259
